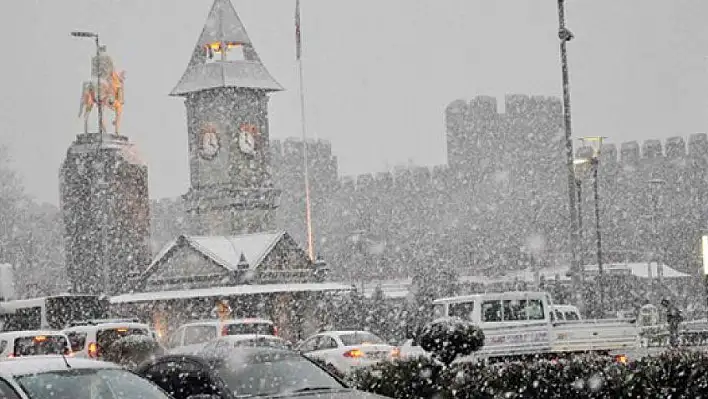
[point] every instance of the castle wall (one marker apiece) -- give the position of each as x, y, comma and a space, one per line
501, 202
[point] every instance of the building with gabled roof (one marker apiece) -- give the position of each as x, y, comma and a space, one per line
194, 262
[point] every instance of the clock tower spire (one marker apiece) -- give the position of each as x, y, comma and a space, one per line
225, 90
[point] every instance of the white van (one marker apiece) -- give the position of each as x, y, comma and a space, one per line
90, 338
33, 343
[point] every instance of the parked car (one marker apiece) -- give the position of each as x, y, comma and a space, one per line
33, 343
41, 377
191, 337
346, 350
89, 339
245, 373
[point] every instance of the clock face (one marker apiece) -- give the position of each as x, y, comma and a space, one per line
247, 139
209, 144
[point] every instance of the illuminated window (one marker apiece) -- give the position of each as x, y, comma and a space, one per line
233, 51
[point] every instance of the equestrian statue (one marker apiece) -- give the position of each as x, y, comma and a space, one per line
111, 93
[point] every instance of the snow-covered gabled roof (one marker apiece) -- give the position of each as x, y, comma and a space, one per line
225, 251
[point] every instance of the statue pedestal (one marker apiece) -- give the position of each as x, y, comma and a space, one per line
106, 213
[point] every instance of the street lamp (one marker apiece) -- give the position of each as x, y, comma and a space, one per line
596, 145
565, 35
655, 184
98, 75
704, 255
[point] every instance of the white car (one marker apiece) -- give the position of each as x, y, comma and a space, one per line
33, 343
347, 350
39, 377
191, 337
89, 339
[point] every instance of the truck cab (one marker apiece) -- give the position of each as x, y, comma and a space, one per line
517, 322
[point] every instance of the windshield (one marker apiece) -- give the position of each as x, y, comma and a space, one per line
40, 345
249, 328
89, 383
107, 337
359, 338
274, 374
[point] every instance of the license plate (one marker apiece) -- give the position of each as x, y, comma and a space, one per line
377, 355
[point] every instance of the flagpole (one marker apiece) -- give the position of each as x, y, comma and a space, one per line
308, 208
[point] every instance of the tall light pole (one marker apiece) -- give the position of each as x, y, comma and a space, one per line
98, 75
565, 36
596, 145
704, 256
655, 184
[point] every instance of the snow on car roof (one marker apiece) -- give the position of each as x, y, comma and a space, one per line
103, 326
43, 364
246, 337
29, 333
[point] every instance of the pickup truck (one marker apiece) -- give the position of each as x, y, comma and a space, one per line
520, 323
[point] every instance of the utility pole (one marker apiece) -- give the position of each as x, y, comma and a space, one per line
596, 186
565, 36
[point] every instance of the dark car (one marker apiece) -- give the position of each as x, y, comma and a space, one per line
245, 373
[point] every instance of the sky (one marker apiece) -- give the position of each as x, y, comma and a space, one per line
378, 74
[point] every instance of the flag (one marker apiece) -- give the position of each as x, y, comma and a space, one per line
298, 48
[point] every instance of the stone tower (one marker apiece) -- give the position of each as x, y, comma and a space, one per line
225, 89
106, 213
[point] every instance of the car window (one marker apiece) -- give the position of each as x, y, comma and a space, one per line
77, 340
89, 383
309, 345
249, 328
570, 315
514, 310
199, 334
558, 314
359, 338
6, 391
462, 310
106, 337
535, 310
491, 311
40, 345
326, 342
175, 338
181, 379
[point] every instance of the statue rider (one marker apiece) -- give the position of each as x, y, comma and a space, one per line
101, 64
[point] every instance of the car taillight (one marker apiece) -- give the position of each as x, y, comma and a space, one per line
93, 350
354, 353
275, 330
224, 330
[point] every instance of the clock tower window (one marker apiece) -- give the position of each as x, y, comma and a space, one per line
224, 51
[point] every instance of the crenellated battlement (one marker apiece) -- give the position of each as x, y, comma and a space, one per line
632, 152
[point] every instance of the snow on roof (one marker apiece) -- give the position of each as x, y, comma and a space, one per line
642, 270
226, 250
228, 291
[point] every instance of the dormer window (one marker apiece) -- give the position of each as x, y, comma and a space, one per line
224, 51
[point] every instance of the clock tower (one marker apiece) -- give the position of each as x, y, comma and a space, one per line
225, 90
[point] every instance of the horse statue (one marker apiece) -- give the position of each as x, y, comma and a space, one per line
111, 84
